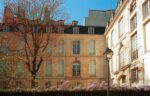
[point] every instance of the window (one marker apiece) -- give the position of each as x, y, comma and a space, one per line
60, 30
91, 30
61, 47
121, 27
112, 38
92, 68
91, 47
134, 49
21, 43
133, 6
76, 68
4, 47
49, 47
19, 69
3, 67
6, 29
60, 68
76, 47
75, 30
134, 76
147, 36
48, 69
36, 29
146, 8
133, 23
121, 57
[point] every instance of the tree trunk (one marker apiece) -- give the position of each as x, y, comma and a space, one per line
33, 82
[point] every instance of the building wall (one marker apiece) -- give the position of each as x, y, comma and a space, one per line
97, 17
68, 57
118, 71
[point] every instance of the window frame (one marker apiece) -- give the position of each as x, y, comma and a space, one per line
76, 69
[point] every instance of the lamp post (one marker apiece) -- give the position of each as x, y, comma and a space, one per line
108, 54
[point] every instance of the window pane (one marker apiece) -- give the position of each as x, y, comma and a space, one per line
75, 30
134, 48
91, 47
76, 47
61, 68
3, 67
61, 47
76, 69
48, 69
92, 68
147, 34
19, 68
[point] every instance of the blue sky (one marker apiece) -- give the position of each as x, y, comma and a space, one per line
78, 9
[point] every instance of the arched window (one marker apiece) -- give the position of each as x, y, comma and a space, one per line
121, 57
76, 68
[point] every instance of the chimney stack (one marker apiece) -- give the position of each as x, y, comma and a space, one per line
74, 23
60, 22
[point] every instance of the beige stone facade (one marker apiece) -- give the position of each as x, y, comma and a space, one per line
127, 37
54, 77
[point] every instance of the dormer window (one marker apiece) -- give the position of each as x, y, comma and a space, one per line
60, 30
75, 30
6, 29
91, 30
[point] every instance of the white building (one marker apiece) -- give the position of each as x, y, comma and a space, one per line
128, 35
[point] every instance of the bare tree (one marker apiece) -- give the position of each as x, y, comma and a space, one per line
33, 20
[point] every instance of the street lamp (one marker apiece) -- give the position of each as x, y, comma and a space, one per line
108, 54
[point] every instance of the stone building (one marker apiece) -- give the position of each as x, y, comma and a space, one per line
127, 34
78, 58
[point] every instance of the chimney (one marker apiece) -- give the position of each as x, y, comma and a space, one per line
74, 23
21, 12
60, 22
46, 14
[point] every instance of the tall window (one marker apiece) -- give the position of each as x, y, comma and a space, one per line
121, 57
19, 69
121, 27
76, 47
112, 64
133, 22
112, 38
133, 6
75, 30
76, 68
4, 47
21, 43
48, 69
146, 8
3, 67
60, 68
147, 36
134, 76
91, 47
61, 47
91, 30
92, 68
134, 48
